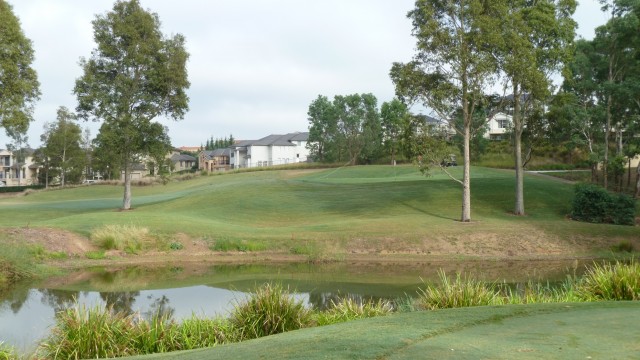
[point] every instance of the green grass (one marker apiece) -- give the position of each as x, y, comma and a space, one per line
271, 309
541, 331
7, 352
326, 209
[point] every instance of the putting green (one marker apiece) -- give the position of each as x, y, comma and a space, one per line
605, 330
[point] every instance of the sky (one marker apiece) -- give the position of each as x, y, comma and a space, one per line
254, 66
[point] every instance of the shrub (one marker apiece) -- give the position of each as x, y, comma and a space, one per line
7, 352
270, 310
128, 238
225, 245
350, 309
95, 255
594, 204
622, 246
617, 281
197, 333
461, 292
82, 333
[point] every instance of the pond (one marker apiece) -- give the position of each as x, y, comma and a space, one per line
27, 311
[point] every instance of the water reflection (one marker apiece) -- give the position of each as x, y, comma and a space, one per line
27, 311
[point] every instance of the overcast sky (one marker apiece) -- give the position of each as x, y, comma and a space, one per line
255, 65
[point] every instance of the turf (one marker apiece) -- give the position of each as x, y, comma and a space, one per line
544, 331
281, 208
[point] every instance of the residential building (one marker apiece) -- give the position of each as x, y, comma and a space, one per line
215, 160
14, 172
498, 126
181, 162
270, 151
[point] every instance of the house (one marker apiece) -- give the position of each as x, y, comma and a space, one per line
498, 126
434, 124
215, 160
270, 151
14, 172
181, 162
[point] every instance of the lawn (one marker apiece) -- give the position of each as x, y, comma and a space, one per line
338, 208
541, 331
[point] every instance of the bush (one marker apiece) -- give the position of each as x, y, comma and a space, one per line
617, 281
82, 333
130, 239
10, 189
594, 204
460, 292
349, 309
7, 352
270, 310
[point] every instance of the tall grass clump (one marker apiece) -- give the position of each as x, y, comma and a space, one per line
16, 263
162, 334
459, 292
196, 333
82, 333
128, 238
350, 309
619, 281
537, 293
7, 352
270, 310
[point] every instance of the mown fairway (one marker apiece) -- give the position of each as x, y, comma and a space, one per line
605, 330
276, 208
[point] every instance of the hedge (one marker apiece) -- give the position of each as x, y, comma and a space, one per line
594, 204
10, 189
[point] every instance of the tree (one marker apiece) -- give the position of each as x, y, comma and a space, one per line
537, 40
454, 65
19, 87
323, 126
358, 125
395, 118
62, 147
133, 76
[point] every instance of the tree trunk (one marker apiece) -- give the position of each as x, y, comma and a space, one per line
466, 173
637, 181
517, 148
126, 201
629, 173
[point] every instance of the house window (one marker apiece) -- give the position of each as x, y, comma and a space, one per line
7, 161
503, 124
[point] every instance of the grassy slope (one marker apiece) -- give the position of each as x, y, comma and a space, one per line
542, 331
336, 205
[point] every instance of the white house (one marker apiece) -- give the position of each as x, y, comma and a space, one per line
14, 173
271, 150
498, 126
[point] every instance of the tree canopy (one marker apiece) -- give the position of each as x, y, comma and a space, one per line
134, 75
454, 66
19, 86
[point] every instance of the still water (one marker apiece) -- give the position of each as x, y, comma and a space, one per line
27, 311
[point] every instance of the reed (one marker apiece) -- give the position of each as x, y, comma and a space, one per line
97, 332
128, 238
463, 291
618, 281
270, 310
7, 352
349, 309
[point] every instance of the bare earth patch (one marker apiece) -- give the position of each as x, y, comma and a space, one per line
527, 243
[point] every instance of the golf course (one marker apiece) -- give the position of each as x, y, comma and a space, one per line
329, 214
359, 214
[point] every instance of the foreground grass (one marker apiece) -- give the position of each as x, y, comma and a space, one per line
541, 331
272, 309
